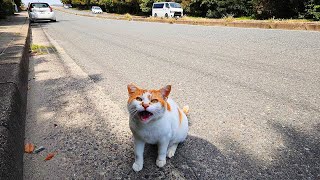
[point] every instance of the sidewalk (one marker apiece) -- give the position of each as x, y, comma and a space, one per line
70, 116
14, 57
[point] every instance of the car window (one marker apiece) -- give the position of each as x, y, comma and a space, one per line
158, 5
175, 5
40, 5
167, 5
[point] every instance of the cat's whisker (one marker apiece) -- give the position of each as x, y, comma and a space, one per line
132, 110
134, 113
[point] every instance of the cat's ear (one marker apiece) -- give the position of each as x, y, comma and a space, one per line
165, 91
132, 88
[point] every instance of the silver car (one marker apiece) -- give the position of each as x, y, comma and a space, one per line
96, 10
40, 11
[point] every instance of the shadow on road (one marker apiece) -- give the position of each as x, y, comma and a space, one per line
91, 144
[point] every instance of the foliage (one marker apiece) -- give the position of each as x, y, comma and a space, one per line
146, 5
6, 8
258, 9
66, 1
219, 8
313, 10
264, 9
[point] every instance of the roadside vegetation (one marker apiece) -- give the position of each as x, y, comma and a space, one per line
226, 9
7, 7
40, 49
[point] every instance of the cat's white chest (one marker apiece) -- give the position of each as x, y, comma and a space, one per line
154, 133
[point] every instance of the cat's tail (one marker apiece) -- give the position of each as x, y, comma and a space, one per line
185, 109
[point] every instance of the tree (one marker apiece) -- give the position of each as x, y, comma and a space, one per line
6, 8
146, 6
312, 10
186, 6
264, 9
220, 8
66, 1
108, 5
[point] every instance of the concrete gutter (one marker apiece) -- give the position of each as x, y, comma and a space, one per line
264, 24
14, 65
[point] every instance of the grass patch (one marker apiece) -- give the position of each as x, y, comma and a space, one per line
35, 47
244, 18
228, 18
128, 17
40, 49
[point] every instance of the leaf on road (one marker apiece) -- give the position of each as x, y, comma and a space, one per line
28, 148
49, 156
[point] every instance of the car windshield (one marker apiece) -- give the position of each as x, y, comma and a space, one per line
175, 5
39, 5
158, 5
97, 8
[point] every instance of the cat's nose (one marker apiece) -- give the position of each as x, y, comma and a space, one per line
145, 105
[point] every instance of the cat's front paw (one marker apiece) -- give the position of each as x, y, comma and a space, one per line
137, 167
170, 153
160, 163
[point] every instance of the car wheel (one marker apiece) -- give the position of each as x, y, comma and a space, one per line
166, 15
155, 15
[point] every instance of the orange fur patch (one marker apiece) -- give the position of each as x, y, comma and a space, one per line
186, 110
168, 107
134, 95
180, 116
156, 94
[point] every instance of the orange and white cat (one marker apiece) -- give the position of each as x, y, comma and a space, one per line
155, 119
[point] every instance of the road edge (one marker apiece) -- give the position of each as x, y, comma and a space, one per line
306, 26
14, 65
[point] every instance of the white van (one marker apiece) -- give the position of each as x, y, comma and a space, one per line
167, 9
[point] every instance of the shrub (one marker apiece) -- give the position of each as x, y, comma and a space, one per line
6, 8
313, 10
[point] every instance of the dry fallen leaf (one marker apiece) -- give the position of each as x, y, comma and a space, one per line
28, 148
49, 156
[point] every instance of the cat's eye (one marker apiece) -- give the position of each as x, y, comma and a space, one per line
138, 99
154, 100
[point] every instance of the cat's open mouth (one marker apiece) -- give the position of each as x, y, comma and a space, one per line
145, 115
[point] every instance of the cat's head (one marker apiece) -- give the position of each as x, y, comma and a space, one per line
147, 105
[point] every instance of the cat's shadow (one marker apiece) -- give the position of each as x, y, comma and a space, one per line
193, 156
198, 158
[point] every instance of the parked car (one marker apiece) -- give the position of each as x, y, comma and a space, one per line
67, 6
96, 9
167, 9
40, 11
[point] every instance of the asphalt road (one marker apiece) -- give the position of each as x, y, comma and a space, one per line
254, 96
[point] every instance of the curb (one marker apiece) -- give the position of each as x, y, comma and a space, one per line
309, 26
14, 67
